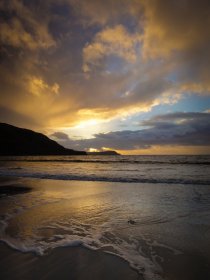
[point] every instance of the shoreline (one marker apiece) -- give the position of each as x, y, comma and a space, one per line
78, 262
65, 263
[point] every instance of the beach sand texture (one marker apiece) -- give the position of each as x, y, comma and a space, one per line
52, 223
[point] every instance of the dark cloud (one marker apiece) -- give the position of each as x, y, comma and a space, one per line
181, 129
60, 136
23, 26
178, 118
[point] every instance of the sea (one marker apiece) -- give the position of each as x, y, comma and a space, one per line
149, 210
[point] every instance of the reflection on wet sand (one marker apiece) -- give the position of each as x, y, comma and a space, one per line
169, 222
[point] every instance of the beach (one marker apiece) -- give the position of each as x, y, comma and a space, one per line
77, 229
63, 263
104, 140
80, 263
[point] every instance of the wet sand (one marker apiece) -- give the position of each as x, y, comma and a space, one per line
187, 267
63, 263
193, 266
9, 187
80, 263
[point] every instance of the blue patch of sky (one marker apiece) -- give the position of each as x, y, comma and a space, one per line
192, 103
189, 103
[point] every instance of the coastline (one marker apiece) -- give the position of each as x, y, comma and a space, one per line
44, 199
68, 262
63, 263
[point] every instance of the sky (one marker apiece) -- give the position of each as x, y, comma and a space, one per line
128, 75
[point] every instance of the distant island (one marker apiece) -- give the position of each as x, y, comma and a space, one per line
15, 141
104, 153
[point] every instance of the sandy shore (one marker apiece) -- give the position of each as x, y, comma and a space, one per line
79, 263
63, 263
9, 187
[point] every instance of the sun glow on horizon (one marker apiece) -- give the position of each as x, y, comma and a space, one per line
92, 150
85, 129
129, 81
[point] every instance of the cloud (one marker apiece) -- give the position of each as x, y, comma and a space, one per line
60, 136
67, 62
38, 87
198, 88
175, 129
111, 41
15, 118
175, 25
96, 12
23, 27
177, 31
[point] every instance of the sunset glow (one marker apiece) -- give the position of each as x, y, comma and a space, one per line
127, 75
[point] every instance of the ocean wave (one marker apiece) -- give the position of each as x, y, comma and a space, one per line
94, 239
104, 161
71, 177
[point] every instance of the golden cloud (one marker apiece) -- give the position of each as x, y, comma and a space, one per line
199, 88
174, 26
38, 87
111, 41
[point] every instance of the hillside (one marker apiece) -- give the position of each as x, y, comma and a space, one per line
19, 142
